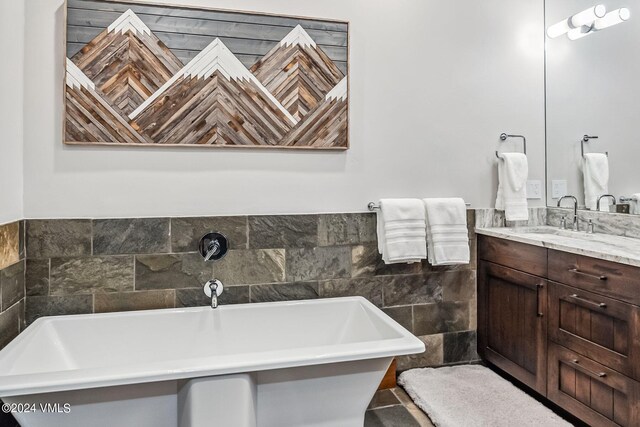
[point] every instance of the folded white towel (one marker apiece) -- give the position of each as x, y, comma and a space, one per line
596, 180
401, 231
447, 234
513, 171
635, 204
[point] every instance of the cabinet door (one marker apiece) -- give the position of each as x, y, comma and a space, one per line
603, 329
592, 392
512, 324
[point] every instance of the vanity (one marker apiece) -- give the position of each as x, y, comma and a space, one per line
559, 311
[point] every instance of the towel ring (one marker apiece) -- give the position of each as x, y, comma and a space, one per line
587, 138
504, 136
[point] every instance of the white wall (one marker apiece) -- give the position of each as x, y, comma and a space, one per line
593, 88
433, 84
11, 82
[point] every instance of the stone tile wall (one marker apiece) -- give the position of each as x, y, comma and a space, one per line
105, 265
605, 222
12, 281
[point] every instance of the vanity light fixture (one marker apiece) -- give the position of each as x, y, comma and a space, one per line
580, 32
584, 18
612, 18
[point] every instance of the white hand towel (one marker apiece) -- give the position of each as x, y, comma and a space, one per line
596, 180
635, 204
447, 234
402, 231
513, 171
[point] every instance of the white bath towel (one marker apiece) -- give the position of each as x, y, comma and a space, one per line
447, 234
513, 171
402, 231
596, 180
635, 204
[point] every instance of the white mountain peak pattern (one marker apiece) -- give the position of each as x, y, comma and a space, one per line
298, 36
294, 96
129, 21
339, 91
76, 78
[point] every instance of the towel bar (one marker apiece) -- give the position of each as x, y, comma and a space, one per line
586, 138
504, 136
373, 207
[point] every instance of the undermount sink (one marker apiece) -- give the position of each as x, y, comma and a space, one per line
546, 229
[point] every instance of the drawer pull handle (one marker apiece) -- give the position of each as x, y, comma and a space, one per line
539, 313
582, 273
595, 304
587, 371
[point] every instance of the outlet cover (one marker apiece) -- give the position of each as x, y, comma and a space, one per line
534, 189
558, 188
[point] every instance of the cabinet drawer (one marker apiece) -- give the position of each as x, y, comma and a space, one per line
603, 329
527, 258
617, 281
594, 393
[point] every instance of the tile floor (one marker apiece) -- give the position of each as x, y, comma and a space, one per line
394, 408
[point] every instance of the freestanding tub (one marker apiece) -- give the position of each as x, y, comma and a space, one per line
307, 363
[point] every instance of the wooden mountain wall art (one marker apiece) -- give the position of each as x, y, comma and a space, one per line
141, 74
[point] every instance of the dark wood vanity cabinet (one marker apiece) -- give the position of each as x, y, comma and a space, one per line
565, 325
514, 335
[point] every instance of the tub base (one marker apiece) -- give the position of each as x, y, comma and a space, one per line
329, 395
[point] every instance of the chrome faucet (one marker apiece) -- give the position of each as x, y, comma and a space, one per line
575, 210
213, 288
605, 196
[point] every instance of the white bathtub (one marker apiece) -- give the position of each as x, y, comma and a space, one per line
308, 363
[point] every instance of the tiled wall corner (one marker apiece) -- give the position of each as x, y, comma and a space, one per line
106, 265
12, 281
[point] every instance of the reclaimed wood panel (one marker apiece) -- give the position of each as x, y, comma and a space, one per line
127, 67
128, 58
250, 36
90, 118
249, 60
220, 15
300, 76
226, 112
81, 20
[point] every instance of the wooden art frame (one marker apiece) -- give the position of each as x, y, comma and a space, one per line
158, 75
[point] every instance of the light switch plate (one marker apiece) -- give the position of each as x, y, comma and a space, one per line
558, 188
534, 189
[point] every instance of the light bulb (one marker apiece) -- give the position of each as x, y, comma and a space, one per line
586, 17
578, 33
612, 18
556, 30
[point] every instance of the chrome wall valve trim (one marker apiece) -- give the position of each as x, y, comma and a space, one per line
213, 246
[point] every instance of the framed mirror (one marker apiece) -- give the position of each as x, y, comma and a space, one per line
593, 90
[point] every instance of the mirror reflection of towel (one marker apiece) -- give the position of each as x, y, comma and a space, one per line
596, 180
635, 204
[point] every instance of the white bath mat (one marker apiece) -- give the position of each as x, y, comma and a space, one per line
474, 396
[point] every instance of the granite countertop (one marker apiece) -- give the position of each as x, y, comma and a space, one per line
623, 250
